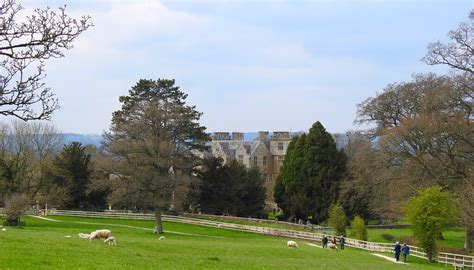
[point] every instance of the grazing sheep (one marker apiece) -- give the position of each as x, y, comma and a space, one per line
110, 241
332, 246
100, 234
84, 235
162, 238
292, 244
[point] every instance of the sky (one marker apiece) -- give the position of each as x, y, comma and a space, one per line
247, 65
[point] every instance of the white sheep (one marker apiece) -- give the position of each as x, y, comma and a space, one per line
292, 244
332, 246
100, 234
110, 241
84, 235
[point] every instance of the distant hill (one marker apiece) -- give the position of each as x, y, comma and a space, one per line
84, 139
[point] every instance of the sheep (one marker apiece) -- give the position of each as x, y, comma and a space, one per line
110, 241
292, 244
84, 235
332, 246
100, 234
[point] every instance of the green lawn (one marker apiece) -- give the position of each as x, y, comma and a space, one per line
453, 237
43, 245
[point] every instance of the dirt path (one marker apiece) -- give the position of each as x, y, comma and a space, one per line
128, 226
314, 245
387, 258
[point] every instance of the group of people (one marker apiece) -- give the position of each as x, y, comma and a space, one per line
405, 250
325, 241
398, 249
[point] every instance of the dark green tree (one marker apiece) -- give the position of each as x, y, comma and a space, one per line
230, 189
151, 141
310, 176
71, 170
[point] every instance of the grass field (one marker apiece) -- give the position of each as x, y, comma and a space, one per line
42, 245
453, 237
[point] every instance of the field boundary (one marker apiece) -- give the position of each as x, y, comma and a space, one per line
446, 258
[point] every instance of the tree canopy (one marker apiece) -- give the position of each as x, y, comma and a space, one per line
25, 44
151, 140
429, 212
230, 189
310, 175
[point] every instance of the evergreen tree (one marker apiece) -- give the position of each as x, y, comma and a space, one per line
230, 189
71, 171
151, 140
309, 179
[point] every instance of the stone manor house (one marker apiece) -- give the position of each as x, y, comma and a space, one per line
267, 152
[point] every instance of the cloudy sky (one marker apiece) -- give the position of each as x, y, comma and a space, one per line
247, 65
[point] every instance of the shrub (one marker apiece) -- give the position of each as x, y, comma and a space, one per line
409, 240
389, 237
358, 228
429, 212
15, 207
337, 219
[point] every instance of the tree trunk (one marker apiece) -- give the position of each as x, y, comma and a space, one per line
468, 239
158, 225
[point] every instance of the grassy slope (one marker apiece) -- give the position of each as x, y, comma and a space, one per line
42, 245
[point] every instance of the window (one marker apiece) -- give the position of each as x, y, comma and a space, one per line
255, 161
280, 159
264, 161
280, 146
241, 158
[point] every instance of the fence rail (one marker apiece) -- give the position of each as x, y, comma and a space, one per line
446, 258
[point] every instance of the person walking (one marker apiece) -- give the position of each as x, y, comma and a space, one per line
405, 252
342, 241
397, 250
325, 241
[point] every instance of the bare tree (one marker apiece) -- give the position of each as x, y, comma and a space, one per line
459, 53
24, 46
25, 151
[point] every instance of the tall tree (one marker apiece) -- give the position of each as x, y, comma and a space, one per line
26, 150
310, 177
71, 171
25, 43
152, 139
459, 53
230, 189
425, 131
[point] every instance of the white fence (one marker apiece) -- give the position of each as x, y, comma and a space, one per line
446, 258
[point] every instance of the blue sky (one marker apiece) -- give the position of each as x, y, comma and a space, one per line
247, 65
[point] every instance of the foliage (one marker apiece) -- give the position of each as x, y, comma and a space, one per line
151, 144
26, 150
25, 43
358, 228
310, 175
337, 219
230, 189
16, 206
71, 170
429, 213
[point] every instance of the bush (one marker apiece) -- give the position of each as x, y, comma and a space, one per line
389, 237
337, 219
15, 207
358, 228
409, 240
429, 212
